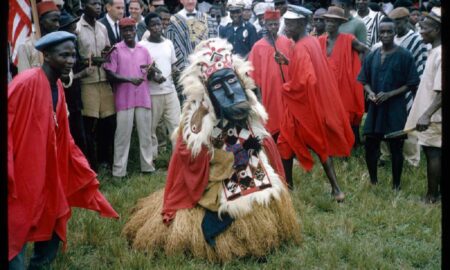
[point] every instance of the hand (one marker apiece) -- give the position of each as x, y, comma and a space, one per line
136, 81
372, 97
175, 71
382, 97
281, 58
423, 123
159, 78
88, 71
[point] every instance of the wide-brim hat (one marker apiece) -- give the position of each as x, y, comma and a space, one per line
335, 13
435, 14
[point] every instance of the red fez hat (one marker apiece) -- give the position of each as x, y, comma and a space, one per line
44, 7
124, 22
272, 15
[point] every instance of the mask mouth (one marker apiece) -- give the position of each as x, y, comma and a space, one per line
238, 112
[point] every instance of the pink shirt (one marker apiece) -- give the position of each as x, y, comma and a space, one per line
126, 62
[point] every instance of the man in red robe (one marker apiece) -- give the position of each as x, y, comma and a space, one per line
314, 117
342, 52
47, 172
269, 76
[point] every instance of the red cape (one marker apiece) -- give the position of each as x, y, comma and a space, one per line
267, 76
345, 63
47, 173
314, 116
188, 177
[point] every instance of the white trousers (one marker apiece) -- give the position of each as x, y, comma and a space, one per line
167, 108
122, 139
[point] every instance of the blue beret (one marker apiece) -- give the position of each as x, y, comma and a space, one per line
53, 39
296, 12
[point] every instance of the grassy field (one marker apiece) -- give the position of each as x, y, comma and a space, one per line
375, 228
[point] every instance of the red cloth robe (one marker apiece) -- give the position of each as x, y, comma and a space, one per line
188, 177
314, 117
267, 76
345, 63
47, 172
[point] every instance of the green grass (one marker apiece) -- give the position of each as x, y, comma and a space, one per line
375, 228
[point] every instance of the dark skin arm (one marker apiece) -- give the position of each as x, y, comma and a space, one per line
116, 78
360, 47
370, 94
383, 96
424, 121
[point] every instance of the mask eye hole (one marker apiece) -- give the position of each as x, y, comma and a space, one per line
232, 80
217, 86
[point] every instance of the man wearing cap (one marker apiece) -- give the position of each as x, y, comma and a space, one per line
387, 74
242, 35
371, 19
353, 25
187, 28
314, 117
132, 98
269, 76
281, 5
411, 41
426, 114
342, 52
115, 11
259, 10
96, 92
27, 55
318, 23
47, 173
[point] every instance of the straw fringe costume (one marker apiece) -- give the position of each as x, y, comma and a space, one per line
230, 175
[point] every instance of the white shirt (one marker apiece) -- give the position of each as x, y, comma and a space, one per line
111, 23
183, 13
163, 54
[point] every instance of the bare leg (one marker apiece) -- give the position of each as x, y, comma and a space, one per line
331, 174
434, 158
287, 165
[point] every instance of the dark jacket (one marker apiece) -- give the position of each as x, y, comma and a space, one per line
111, 36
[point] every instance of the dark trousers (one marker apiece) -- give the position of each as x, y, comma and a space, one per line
372, 147
43, 254
100, 140
77, 130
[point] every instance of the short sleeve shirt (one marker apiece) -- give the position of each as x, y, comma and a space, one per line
398, 69
127, 62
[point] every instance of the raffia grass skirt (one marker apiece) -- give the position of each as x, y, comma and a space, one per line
255, 234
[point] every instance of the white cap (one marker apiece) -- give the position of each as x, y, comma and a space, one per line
260, 8
296, 12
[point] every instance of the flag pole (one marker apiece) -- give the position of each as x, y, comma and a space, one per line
37, 27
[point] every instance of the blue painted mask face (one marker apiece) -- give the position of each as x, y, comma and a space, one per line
228, 96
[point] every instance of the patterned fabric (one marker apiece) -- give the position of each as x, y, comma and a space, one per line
249, 173
185, 35
372, 21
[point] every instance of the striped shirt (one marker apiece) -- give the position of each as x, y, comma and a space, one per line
372, 22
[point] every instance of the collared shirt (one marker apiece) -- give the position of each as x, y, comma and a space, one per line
184, 13
242, 37
27, 55
126, 94
114, 25
91, 42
